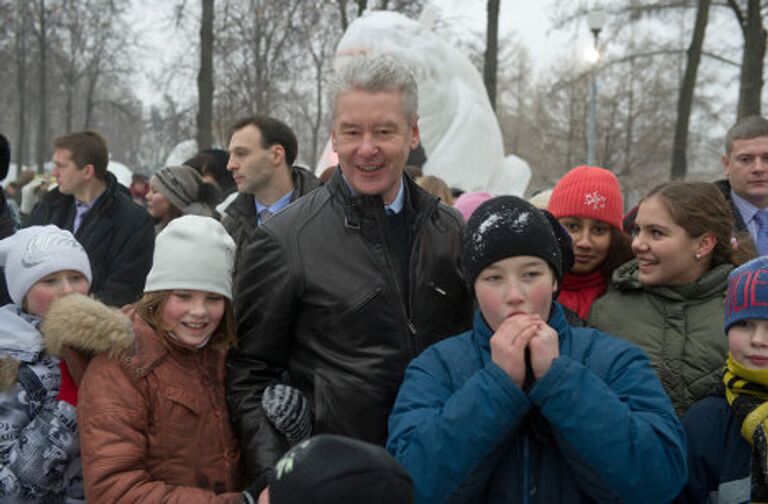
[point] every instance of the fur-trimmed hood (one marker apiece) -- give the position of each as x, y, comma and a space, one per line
75, 328
85, 325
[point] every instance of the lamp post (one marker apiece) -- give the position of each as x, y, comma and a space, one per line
595, 20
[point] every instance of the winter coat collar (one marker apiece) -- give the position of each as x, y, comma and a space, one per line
711, 283
64, 205
243, 207
725, 187
19, 334
110, 193
419, 204
149, 349
86, 325
76, 327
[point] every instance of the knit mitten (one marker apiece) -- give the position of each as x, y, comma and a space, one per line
287, 409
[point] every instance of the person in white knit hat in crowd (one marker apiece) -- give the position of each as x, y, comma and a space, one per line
38, 430
154, 421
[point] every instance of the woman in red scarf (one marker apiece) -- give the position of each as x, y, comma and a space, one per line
588, 203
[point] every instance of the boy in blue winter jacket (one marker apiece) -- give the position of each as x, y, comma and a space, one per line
524, 407
728, 436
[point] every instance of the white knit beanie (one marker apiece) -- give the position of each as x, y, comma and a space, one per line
37, 251
195, 253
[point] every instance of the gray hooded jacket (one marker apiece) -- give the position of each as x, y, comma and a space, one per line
39, 445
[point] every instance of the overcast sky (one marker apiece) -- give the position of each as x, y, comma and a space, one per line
163, 44
530, 20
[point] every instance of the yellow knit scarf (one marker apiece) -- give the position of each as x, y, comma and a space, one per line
746, 391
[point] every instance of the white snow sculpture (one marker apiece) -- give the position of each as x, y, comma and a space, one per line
181, 152
122, 173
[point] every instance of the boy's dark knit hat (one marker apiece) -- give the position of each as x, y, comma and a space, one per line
329, 469
747, 294
509, 226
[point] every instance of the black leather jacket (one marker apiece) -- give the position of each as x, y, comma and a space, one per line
320, 306
117, 234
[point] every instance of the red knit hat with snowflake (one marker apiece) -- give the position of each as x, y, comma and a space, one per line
588, 192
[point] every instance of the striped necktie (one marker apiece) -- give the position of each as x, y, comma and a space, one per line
264, 216
761, 218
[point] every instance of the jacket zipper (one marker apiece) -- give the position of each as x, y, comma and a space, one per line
392, 274
526, 470
405, 304
418, 226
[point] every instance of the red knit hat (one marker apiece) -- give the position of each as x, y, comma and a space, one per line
588, 192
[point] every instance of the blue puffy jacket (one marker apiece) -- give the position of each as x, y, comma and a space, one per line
597, 427
719, 458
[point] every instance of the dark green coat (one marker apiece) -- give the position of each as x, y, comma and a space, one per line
680, 328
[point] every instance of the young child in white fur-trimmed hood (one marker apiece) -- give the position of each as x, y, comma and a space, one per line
39, 448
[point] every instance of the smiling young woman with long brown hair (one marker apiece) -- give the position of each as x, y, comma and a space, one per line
669, 299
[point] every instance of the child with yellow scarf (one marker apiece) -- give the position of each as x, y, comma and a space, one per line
728, 436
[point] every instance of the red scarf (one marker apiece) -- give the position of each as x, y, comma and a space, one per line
578, 292
68, 388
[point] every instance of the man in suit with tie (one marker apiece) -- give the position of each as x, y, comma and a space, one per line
261, 155
746, 169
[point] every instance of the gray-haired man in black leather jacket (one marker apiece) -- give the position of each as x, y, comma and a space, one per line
340, 290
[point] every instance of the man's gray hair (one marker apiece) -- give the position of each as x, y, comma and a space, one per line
376, 72
746, 128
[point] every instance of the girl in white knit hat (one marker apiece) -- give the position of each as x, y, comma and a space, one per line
154, 421
38, 430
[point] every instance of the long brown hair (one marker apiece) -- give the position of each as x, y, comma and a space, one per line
699, 208
436, 187
150, 307
619, 252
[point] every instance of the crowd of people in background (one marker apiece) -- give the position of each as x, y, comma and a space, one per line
236, 329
